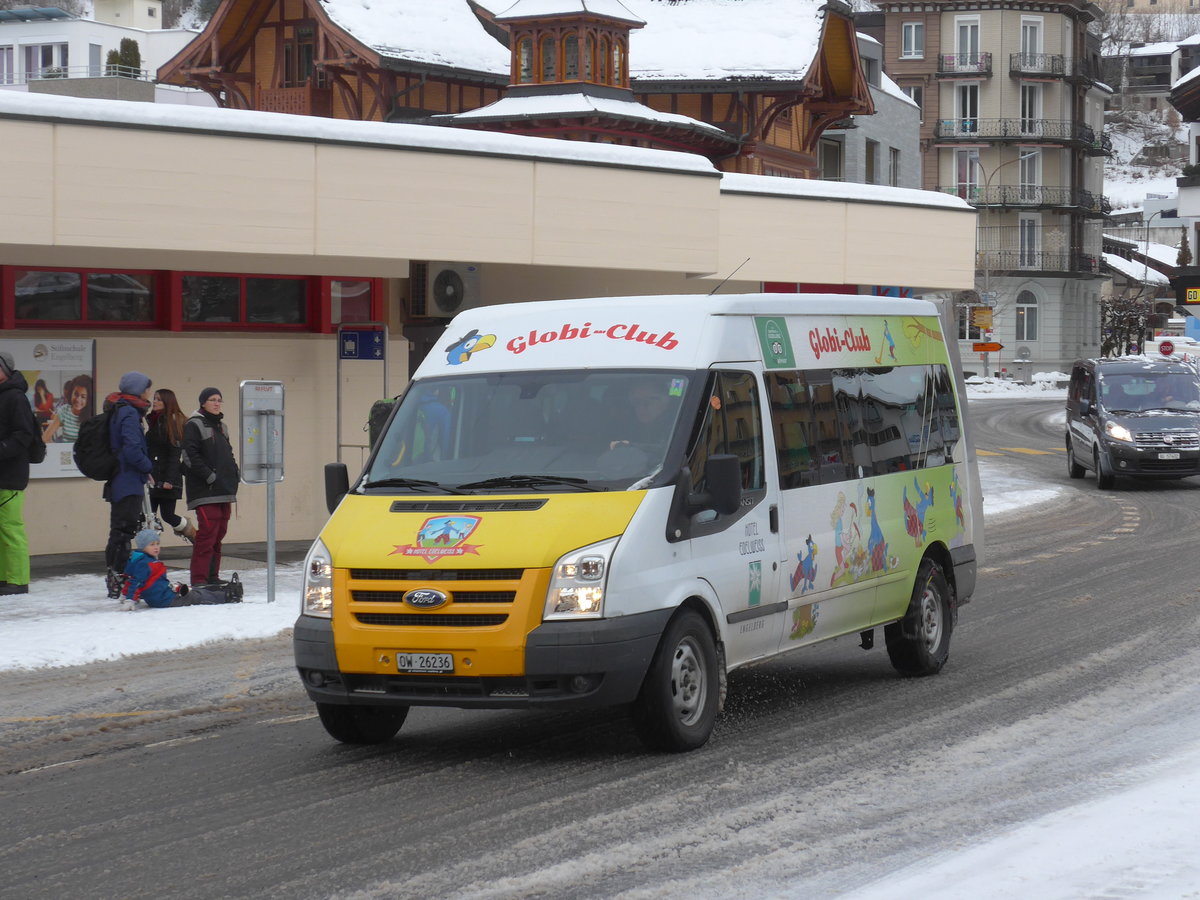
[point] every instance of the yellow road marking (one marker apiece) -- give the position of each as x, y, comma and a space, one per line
1026, 450
987, 453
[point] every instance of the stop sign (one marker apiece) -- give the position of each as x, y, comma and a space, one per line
1166, 348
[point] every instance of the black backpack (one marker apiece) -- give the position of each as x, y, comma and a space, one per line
93, 451
37, 447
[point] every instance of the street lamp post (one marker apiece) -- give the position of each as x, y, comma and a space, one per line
1146, 266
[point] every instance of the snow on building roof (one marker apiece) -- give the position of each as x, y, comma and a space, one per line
1164, 254
612, 9
252, 123
433, 32
892, 88
1184, 79
1160, 49
738, 183
577, 104
1134, 271
707, 40
701, 40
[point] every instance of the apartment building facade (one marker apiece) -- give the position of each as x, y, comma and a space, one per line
1012, 122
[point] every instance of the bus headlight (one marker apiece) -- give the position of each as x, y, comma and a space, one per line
578, 581
317, 599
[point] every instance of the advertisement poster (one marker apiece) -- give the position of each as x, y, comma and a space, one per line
62, 390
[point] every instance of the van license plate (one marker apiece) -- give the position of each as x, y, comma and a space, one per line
441, 663
1168, 456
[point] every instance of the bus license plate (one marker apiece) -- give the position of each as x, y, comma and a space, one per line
440, 663
1168, 456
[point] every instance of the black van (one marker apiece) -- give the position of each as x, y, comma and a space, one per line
1133, 416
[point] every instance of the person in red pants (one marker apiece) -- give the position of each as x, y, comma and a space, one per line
211, 482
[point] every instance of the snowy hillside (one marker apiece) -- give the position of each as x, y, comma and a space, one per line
1141, 164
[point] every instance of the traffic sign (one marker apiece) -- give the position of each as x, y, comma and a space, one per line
360, 343
987, 348
1166, 348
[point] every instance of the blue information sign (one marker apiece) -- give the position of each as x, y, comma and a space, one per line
361, 344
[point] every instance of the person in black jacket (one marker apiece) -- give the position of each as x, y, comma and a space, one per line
211, 479
164, 437
17, 430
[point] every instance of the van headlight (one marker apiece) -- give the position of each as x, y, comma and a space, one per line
317, 599
577, 585
1118, 432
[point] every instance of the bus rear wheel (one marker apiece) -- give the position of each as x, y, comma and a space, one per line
361, 724
919, 644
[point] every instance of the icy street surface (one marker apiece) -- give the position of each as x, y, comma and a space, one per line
1137, 840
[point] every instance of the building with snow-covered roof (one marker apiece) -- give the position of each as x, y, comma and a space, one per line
47, 49
1013, 122
751, 85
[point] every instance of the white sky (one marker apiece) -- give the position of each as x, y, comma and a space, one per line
1136, 843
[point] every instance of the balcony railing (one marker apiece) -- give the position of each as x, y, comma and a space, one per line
51, 73
305, 100
1039, 64
1037, 261
1059, 131
1030, 196
965, 64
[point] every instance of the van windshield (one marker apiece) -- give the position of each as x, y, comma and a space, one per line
545, 431
1150, 391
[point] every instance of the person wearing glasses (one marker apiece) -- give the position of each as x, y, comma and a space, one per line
211, 482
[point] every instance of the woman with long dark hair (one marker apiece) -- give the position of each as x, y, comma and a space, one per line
164, 437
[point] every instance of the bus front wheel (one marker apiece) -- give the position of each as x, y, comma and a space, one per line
677, 705
361, 724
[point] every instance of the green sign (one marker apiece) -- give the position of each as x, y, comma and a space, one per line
776, 345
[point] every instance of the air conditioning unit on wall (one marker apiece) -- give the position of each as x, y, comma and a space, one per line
441, 290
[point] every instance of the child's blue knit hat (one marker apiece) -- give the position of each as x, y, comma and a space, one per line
145, 538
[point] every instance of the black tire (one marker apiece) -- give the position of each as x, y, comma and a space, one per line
919, 644
1105, 479
1074, 469
361, 724
677, 705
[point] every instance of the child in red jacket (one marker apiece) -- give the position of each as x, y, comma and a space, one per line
146, 579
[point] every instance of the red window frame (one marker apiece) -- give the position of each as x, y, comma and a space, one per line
8, 291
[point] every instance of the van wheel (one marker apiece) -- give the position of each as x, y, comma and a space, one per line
919, 644
1074, 469
361, 724
1105, 479
677, 705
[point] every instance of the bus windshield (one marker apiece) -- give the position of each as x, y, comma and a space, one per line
547, 431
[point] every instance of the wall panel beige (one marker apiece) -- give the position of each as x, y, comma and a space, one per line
195, 192
29, 185
423, 205
602, 216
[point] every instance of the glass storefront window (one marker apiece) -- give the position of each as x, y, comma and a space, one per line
279, 301
49, 296
349, 301
120, 297
211, 298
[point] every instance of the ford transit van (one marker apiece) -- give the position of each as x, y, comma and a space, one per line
1134, 415
617, 501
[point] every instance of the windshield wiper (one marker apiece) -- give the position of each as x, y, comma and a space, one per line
527, 481
415, 483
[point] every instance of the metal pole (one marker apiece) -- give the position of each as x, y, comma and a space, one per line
267, 425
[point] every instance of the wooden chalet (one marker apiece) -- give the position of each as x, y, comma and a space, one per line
750, 85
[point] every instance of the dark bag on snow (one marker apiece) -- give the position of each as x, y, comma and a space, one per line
93, 451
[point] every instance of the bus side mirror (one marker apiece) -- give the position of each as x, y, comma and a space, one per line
1085, 407
337, 484
723, 476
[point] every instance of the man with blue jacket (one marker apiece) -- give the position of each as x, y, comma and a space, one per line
126, 489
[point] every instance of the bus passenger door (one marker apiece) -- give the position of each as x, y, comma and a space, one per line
739, 555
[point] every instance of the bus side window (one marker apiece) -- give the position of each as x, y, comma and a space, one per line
794, 427
732, 424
